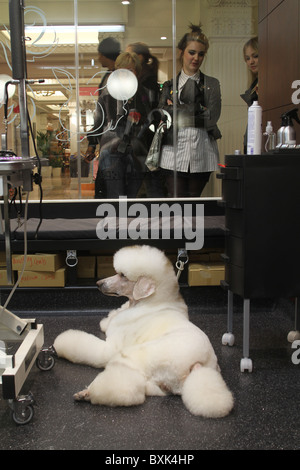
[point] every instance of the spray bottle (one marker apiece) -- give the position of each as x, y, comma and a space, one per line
286, 134
271, 137
280, 132
254, 129
289, 131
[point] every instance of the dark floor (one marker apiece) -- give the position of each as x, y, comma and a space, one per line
265, 416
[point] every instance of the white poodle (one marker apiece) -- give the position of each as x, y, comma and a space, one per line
151, 347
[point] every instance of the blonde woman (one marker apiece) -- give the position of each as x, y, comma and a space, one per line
250, 54
121, 171
198, 99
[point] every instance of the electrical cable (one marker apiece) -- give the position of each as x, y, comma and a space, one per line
25, 256
38, 179
38, 176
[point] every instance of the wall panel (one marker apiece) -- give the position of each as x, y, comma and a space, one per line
279, 46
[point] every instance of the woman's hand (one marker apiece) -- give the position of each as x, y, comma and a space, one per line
89, 154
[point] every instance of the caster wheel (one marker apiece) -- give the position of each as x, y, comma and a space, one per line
23, 417
45, 363
246, 364
22, 408
228, 339
45, 360
293, 336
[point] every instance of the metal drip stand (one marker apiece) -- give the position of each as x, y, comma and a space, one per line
17, 171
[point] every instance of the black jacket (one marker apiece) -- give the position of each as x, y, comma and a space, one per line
201, 104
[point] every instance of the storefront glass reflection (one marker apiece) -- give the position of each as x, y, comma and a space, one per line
64, 53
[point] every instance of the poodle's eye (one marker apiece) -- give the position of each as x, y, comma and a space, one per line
122, 275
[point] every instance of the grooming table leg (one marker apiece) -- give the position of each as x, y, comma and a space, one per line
15, 369
228, 338
246, 362
14, 377
295, 334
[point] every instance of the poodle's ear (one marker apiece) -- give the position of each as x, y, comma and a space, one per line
143, 287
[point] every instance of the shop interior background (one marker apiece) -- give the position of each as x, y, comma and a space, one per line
67, 59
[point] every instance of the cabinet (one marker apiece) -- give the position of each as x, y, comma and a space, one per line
261, 195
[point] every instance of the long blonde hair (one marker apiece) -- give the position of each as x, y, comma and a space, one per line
130, 61
253, 42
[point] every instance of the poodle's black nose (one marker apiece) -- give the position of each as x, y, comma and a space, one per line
101, 285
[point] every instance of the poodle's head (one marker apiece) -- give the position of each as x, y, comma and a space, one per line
143, 260
141, 272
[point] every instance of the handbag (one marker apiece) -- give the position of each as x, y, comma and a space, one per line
153, 157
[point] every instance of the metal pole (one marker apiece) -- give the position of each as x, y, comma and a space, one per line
174, 94
246, 328
23, 119
77, 98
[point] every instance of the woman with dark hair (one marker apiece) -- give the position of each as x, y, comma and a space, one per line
148, 79
198, 99
149, 73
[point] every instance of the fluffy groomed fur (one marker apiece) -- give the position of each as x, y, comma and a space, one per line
144, 261
151, 347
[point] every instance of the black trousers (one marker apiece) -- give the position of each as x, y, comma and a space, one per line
117, 175
187, 184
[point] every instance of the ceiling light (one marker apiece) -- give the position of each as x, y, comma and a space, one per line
65, 34
163, 38
104, 28
126, 2
42, 95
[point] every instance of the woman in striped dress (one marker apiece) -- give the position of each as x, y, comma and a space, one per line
198, 110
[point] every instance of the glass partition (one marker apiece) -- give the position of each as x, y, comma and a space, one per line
77, 89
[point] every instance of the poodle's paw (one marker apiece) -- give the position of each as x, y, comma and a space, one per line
104, 324
84, 395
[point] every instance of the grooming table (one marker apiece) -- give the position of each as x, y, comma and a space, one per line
261, 195
14, 368
71, 227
